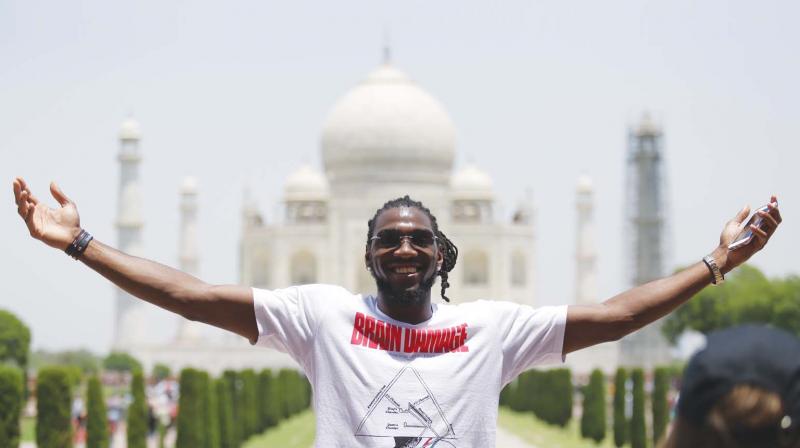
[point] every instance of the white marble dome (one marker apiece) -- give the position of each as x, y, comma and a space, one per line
130, 130
385, 123
471, 182
306, 184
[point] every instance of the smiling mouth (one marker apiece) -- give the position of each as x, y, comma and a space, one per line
405, 269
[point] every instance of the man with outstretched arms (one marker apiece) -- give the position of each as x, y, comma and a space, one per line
395, 370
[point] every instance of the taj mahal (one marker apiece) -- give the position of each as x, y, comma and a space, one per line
384, 138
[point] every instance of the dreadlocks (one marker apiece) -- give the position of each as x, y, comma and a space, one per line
449, 250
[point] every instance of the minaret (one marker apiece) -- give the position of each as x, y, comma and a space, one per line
585, 255
188, 331
129, 324
645, 233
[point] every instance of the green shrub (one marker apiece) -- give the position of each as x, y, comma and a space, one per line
210, 411
121, 362
593, 420
190, 411
659, 401
161, 372
269, 409
137, 413
249, 401
638, 425
232, 382
227, 431
620, 422
96, 425
53, 406
11, 401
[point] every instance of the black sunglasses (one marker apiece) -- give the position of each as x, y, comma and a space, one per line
392, 238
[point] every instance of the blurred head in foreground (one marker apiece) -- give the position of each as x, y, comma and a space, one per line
741, 391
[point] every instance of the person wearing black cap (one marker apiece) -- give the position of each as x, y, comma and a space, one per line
741, 391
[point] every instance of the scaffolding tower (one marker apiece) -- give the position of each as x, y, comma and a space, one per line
645, 235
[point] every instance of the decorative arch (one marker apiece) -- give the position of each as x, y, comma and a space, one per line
476, 268
303, 268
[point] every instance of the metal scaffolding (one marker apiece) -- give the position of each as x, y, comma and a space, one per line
645, 234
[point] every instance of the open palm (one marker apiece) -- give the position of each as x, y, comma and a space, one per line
56, 227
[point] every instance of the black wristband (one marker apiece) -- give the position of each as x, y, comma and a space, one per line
79, 244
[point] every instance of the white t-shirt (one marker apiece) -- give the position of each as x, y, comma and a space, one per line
379, 382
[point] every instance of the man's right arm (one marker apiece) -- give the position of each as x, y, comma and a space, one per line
226, 307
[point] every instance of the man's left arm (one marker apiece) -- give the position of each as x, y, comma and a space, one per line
631, 310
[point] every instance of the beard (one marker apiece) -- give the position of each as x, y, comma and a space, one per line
406, 297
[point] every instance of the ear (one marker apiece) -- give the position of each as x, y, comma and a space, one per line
439, 258
367, 260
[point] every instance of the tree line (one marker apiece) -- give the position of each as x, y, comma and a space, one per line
212, 412
549, 396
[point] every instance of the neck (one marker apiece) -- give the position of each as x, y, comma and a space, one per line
410, 312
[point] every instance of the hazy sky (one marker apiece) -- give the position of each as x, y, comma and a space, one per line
235, 93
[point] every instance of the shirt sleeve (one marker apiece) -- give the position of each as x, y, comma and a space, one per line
531, 337
286, 319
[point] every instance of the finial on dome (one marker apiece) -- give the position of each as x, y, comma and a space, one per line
387, 47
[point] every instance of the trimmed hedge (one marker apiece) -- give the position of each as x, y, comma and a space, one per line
210, 411
661, 378
268, 402
137, 413
249, 403
548, 394
638, 425
620, 422
593, 420
191, 433
11, 401
97, 435
53, 406
227, 430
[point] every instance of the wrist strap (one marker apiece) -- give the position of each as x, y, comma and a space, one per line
716, 275
79, 244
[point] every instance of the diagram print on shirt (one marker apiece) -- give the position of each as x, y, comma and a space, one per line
407, 410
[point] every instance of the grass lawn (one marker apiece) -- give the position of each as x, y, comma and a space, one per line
534, 431
28, 432
296, 432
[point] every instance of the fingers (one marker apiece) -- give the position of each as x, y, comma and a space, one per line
760, 235
17, 191
59, 195
773, 209
742, 215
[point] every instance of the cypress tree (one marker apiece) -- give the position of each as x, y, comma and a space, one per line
137, 413
232, 382
638, 425
227, 431
620, 422
267, 390
210, 411
562, 398
190, 412
659, 402
96, 426
593, 420
53, 406
250, 401
11, 399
